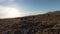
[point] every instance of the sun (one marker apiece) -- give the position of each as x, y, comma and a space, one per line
13, 12
10, 12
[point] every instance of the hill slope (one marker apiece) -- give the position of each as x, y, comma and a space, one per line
36, 24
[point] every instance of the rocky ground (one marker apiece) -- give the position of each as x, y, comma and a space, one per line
48, 23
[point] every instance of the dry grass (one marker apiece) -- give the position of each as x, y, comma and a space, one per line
31, 24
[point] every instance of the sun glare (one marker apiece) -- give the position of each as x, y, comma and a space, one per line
13, 12
9, 12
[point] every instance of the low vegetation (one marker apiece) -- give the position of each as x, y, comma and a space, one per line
37, 24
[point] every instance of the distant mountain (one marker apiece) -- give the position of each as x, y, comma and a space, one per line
36, 24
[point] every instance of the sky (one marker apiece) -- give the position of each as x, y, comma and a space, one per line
20, 8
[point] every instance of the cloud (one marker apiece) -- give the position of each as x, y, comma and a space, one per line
2, 1
11, 0
6, 0
37, 12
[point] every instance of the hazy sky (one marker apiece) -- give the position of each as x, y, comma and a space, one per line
16, 8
